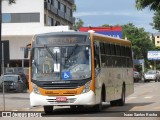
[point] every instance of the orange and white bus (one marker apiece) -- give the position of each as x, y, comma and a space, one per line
79, 69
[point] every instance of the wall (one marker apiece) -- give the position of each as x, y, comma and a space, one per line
16, 46
24, 6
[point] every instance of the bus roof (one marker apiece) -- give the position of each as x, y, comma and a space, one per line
62, 33
95, 36
109, 39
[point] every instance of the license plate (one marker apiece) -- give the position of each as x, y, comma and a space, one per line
61, 99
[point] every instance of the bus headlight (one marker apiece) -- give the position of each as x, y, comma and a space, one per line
35, 89
86, 87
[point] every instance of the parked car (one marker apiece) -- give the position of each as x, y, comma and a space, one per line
137, 76
14, 82
24, 78
152, 75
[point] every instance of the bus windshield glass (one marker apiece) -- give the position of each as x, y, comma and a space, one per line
53, 63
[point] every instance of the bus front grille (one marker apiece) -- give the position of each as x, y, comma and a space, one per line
60, 86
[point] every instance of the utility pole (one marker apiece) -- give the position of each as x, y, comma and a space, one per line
0, 33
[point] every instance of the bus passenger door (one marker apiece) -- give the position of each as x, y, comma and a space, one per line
97, 68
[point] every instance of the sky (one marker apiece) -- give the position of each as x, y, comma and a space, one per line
99, 12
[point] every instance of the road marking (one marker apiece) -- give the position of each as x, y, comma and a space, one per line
130, 98
14, 110
136, 108
148, 97
26, 108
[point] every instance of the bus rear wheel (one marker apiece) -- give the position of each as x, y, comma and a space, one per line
121, 101
48, 109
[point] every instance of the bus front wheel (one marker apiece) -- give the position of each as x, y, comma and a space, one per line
121, 101
98, 107
48, 109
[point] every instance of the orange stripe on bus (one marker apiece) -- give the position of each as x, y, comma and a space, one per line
61, 92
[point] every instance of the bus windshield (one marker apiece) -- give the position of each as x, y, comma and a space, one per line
52, 63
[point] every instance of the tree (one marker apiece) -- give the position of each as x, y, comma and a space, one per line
106, 25
12, 1
74, 7
152, 4
141, 42
79, 23
156, 20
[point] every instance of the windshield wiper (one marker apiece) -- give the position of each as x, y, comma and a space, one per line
52, 55
56, 57
69, 56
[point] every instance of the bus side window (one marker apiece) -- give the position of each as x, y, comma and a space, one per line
96, 56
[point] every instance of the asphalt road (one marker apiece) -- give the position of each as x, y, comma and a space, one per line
145, 100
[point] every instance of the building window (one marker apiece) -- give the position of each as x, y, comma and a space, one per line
20, 17
59, 5
157, 41
45, 19
50, 21
52, 2
68, 11
6, 17
62, 8
157, 36
56, 4
71, 13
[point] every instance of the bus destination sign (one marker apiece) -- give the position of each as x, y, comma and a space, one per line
61, 39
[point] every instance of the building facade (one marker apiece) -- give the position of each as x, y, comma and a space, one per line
20, 21
157, 39
58, 12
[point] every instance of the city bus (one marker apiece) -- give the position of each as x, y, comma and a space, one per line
79, 69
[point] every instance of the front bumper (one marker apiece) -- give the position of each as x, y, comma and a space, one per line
82, 99
150, 78
10, 87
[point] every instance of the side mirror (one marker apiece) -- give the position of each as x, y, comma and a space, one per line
20, 81
26, 52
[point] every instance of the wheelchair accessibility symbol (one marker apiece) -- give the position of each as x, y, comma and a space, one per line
66, 75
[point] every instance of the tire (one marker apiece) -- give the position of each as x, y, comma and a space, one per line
48, 109
113, 103
121, 101
156, 80
98, 107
